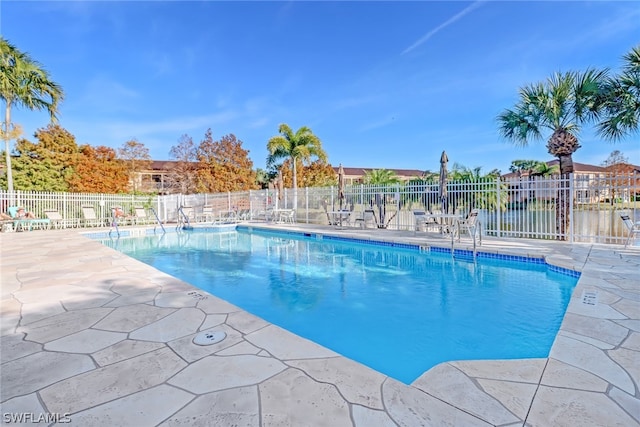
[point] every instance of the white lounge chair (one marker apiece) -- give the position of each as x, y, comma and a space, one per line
244, 215
57, 220
226, 217
119, 215
634, 228
91, 219
141, 216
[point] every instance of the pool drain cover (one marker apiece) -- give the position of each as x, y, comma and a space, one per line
210, 337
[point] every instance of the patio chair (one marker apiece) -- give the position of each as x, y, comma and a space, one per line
208, 214
470, 224
288, 216
58, 221
368, 218
423, 221
342, 218
6, 223
634, 228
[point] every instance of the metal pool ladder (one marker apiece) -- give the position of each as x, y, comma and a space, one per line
183, 220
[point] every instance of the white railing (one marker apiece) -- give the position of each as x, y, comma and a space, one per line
521, 207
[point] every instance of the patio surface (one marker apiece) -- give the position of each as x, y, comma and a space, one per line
92, 337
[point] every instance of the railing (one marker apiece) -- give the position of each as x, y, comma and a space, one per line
582, 208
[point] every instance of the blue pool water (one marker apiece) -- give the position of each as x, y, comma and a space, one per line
399, 311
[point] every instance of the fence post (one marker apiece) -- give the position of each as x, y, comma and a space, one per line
498, 207
571, 201
306, 207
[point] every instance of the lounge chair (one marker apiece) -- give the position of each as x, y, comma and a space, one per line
27, 224
470, 224
634, 228
121, 218
141, 216
244, 215
226, 217
91, 219
58, 221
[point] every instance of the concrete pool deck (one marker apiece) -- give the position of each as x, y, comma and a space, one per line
91, 336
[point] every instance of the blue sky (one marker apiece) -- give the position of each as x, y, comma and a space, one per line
383, 84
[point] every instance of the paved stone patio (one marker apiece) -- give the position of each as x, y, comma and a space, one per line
96, 338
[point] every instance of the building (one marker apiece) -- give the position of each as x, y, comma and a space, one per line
591, 184
156, 179
354, 176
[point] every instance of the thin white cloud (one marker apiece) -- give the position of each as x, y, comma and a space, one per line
102, 93
138, 129
354, 102
444, 25
378, 124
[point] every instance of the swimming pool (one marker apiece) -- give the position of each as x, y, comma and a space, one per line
396, 309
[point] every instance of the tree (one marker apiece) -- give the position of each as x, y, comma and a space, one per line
302, 145
524, 166
262, 178
317, 174
380, 177
460, 173
621, 100
616, 157
225, 165
183, 178
561, 105
621, 175
543, 169
23, 82
97, 170
136, 158
48, 164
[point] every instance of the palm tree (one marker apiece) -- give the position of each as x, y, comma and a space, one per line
543, 169
23, 82
301, 145
380, 177
621, 102
561, 105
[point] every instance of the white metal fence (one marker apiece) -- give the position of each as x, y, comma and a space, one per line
521, 207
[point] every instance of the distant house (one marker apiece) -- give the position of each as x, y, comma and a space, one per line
625, 178
354, 176
156, 178
592, 184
